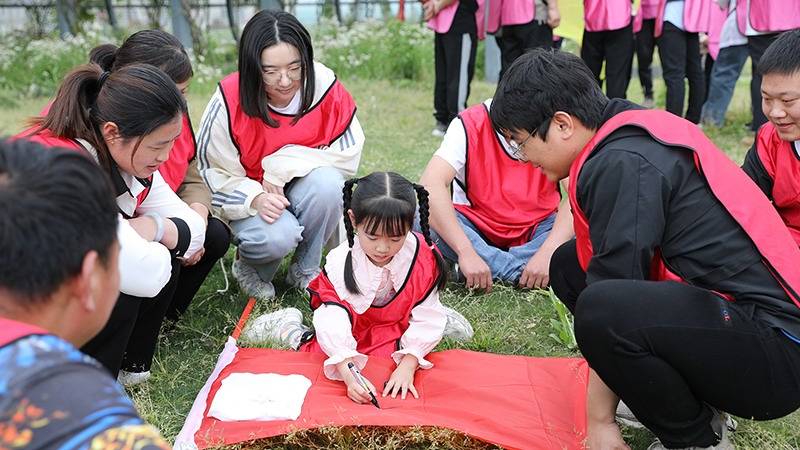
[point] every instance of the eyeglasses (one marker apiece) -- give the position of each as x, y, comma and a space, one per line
272, 77
516, 149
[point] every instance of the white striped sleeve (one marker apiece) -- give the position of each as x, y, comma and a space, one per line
232, 191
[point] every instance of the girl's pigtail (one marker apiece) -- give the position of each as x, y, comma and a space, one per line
347, 196
424, 213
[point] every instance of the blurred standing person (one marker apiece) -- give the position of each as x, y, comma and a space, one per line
608, 36
524, 24
678, 26
727, 69
455, 45
761, 21
645, 47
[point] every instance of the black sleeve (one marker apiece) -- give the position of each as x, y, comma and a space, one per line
625, 200
754, 169
184, 237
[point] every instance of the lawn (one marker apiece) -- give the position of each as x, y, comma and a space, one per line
397, 120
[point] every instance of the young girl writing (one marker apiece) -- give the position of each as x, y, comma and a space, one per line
378, 295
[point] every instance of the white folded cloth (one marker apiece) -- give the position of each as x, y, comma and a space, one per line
262, 396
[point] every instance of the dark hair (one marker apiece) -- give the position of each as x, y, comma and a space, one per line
540, 83
782, 56
56, 207
265, 29
386, 202
138, 98
154, 47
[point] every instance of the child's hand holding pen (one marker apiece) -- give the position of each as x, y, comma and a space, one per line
402, 379
356, 387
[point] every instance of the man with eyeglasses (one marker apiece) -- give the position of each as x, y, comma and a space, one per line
503, 220
682, 278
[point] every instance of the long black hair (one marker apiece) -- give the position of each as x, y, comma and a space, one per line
386, 202
154, 47
265, 29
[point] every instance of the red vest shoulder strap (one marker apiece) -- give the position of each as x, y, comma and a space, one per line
12, 330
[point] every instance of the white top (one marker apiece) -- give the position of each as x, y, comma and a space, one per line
145, 267
730, 35
453, 149
332, 325
219, 165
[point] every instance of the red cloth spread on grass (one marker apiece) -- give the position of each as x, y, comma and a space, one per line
512, 401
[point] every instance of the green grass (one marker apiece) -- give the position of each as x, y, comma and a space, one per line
397, 119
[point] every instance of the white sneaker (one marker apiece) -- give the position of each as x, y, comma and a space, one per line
297, 279
128, 379
284, 326
625, 416
250, 282
440, 130
458, 326
722, 423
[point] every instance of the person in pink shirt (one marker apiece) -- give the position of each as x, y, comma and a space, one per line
378, 294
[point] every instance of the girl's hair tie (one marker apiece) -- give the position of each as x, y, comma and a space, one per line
102, 79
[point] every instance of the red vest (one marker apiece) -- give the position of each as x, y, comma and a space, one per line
182, 153
46, 138
508, 199
783, 166
377, 330
728, 183
606, 15
11, 330
768, 15
327, 120
696, 16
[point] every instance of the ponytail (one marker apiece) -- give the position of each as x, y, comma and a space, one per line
70, 113
424, 214
347, 196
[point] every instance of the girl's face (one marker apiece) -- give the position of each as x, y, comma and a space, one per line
281, 67
380, 249
152, 152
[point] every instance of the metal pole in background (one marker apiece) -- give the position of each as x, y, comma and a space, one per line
180, 24
274, 5
112, 18
66, 18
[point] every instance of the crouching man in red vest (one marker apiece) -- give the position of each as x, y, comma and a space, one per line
682, 278
774, 160
59, 281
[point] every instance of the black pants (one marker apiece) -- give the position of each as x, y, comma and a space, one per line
645, 46
670, 349
756, 46
517, 39
454, 57
680, 59
132, 330
218, 238
616, 48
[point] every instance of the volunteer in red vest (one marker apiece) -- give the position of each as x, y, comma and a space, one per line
128, 121
608, 36
164, 51
520, 25
761, 21
678, 25
59, 282
682, 278
457, 25
275, 143
502, 220
774, 160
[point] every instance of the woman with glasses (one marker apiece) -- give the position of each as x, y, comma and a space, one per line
275, 143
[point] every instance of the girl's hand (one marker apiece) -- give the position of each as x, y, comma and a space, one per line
402, 379
355, 391
272, 188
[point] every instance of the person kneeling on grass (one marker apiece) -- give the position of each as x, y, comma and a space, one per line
655, 202
376, 291
59, 281
774, 160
